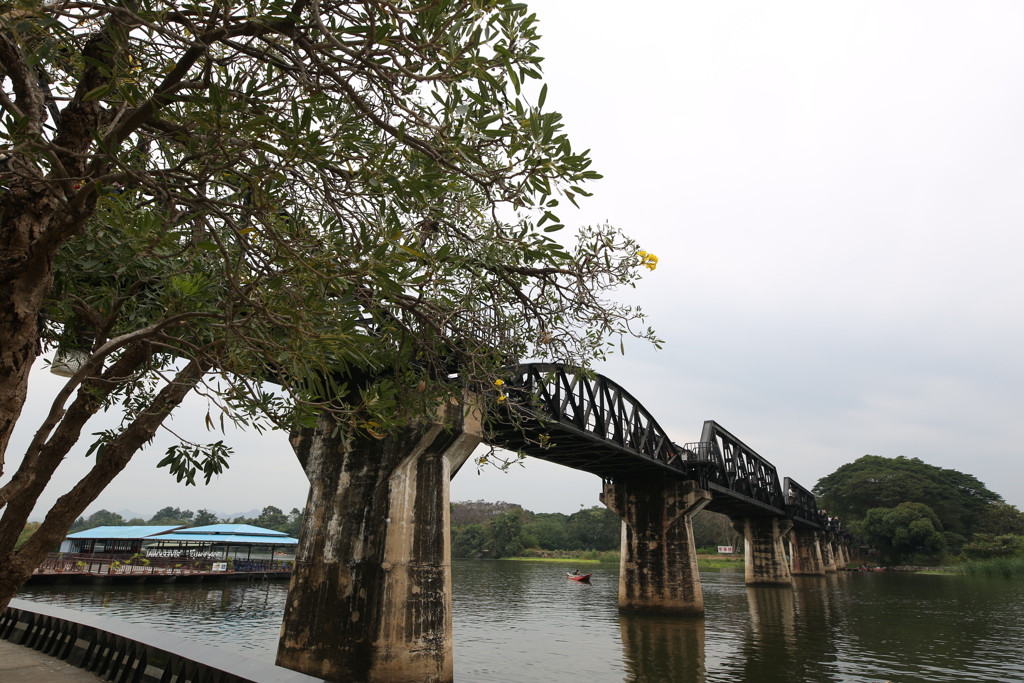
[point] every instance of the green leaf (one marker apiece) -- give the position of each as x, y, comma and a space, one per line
98, 92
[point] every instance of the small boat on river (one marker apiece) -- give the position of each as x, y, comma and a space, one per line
583, 578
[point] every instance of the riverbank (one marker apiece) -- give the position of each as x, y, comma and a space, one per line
704, 562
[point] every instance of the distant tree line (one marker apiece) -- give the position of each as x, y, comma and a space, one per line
910, 511
495, 530
270, 518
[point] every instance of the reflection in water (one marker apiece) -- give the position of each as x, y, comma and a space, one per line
663, 648
522, 622
244, 616
771, 633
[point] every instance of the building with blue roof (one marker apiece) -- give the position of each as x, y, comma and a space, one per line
171, 553
222, 542
111, 540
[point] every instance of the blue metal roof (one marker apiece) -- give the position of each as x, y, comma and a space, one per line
233, 539
123, 532
243, 529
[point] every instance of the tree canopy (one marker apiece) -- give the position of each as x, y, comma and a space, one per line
354, 201
502, 529
903, 531
958, 500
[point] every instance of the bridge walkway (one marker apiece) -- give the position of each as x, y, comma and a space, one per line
20, 664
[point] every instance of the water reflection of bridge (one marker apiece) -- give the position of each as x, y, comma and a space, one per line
370, 596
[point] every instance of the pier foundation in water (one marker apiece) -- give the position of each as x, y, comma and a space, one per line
764, 553
370, 598
658, 568
805, 553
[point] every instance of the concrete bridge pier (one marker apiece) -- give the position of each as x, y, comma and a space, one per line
805, 553
842, 557
828, 557
764, 553
658, 569
370, 597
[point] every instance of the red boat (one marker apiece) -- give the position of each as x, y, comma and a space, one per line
585, 578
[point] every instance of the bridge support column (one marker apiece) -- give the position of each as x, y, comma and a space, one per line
828, 558
841, 557
805, 553
370, 597
658, 569
764, 554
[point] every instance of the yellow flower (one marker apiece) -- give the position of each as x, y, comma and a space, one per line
648, 260
501, 399
498, 383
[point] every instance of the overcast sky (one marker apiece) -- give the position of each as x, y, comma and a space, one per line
835, 192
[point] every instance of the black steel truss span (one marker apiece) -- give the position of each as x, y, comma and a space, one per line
802, 505
586, 422
590, 423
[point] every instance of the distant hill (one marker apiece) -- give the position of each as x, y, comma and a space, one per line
232, 515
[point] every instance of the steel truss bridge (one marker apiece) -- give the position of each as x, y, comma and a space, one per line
590, 423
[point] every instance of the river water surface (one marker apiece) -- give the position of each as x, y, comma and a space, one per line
523, 622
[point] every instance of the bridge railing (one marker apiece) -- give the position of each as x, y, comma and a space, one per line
543, 394
137, 564
698, 451
120, 651
801, 503
741, 469
593, 404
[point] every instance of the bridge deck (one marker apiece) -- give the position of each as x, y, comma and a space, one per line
589, 423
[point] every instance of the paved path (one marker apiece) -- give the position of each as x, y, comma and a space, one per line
24, 665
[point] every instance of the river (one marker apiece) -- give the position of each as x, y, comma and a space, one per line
523, 622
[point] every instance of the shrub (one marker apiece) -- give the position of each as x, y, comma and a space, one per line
1007, 567
987, 546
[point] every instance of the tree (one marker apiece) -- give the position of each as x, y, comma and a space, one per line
504, 534
294, 524
711, 529
903, 531
595, 528
478, 511
271, 518
987, 546
27, 532
98, 518
469, 541
1001, 519
549, 529
204, 518
169, 516
350, 200
959, 500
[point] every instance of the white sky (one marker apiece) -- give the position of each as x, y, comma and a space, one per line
835, 193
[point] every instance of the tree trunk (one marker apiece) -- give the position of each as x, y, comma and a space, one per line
17, 566
25, 278
41, 460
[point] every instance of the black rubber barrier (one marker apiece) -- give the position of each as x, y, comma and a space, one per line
126, 653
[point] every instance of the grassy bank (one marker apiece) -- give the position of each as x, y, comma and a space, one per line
591, 556
704, 562
1008, 567
712, 562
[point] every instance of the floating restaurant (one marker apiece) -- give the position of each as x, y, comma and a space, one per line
113, 540
222, 542
169, 553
